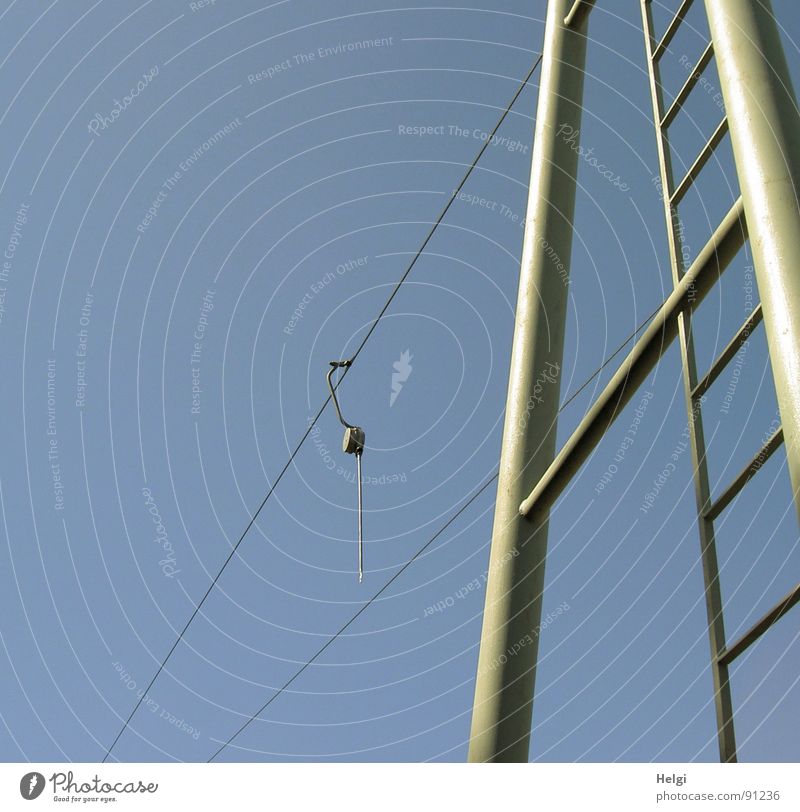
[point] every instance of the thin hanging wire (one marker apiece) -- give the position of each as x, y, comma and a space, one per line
425, 546
313, 423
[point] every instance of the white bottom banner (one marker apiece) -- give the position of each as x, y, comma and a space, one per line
403, 787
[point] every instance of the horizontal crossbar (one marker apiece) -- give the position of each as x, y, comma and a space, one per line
683, 93
755, 631
746, 474
702, 160
689, 292
672, 29
727, 355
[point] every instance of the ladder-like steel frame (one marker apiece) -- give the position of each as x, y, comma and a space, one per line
776, 250
693, 394
721, 654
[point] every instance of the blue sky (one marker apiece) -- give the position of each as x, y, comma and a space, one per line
205, 204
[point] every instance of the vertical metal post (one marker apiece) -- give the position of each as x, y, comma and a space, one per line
501, 719
765, 134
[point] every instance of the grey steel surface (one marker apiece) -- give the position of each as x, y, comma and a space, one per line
501, 719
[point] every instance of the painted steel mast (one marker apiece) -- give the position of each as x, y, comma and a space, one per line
765, 133
504, 690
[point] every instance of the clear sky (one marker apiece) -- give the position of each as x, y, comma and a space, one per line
203, 203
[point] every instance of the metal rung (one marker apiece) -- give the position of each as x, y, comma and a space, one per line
672, 29
684, 92
726, 356
750, 636
747, 473
702, 160
577, 12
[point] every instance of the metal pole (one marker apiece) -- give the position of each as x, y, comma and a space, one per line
501, 718
765, 134
360, 520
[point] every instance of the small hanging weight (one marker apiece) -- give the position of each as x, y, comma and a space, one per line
353, 442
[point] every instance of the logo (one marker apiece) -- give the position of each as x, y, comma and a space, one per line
31, 786
402, 369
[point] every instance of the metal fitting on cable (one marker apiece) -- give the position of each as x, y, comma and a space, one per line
353, 443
